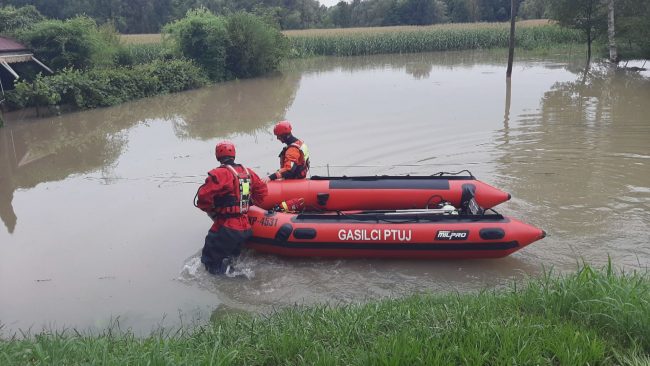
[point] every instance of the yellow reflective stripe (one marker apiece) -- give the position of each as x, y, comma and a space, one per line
305, 151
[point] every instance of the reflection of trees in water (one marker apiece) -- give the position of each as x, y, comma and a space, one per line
578, 156
50, 150
420, 64
419, 70
235, 107
34, 151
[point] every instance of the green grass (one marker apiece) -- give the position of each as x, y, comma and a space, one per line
591, 317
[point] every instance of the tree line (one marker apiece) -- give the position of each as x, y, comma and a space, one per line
632, 17
149, 16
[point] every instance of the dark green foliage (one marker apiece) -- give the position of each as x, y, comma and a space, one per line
254, 47
533, 9
632, 22
588, 16
459, 11
76, 42
12, 19
240, 45
105, 87
633, 28
202, 37
149, 16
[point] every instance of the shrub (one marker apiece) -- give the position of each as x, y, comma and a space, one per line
202, 37
240, 45
254, 46
13, 19
106, 87
76, 42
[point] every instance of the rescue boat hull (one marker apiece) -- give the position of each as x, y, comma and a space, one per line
381, 192
369, 234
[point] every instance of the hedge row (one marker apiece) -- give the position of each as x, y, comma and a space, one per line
106, 87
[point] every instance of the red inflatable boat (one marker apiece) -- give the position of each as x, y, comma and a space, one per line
382, 192
418, 234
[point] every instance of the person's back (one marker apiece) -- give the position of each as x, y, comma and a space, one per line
225, 196
294, 158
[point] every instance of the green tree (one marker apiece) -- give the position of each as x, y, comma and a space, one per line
341, 14
254, 47
533, 9
202, 37
633, 28
76, 42
458, 11
589, 16
13, 19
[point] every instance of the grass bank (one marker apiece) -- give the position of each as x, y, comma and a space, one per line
589, 317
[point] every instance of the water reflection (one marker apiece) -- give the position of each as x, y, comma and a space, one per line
36, 150
581, 165
242, 106
420, 65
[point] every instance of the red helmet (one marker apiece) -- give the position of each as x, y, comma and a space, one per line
282, 128
225, 148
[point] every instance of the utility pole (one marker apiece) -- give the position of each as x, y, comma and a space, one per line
511, 48
613, 55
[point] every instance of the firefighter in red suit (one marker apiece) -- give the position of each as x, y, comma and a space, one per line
225, 196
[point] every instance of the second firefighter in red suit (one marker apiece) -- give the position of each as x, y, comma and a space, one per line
225, 196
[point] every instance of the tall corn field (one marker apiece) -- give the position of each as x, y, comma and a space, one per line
410, 39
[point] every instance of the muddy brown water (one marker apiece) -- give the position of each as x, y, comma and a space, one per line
99, 228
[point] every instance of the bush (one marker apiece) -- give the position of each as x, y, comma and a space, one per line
255, 47
202, 37
106, 87
76, 42
240, 45
13, 19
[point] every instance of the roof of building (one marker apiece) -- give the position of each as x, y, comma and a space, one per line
9, 45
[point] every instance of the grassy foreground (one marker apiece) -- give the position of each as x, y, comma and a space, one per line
590, 317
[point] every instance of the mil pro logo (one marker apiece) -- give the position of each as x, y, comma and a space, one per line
452, 234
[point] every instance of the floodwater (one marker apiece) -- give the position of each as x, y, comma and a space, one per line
98, 227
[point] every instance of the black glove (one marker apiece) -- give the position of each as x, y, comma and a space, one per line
272, 177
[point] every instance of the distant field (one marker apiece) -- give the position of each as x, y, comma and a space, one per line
538, 33
141, 38
157, 38
411, 28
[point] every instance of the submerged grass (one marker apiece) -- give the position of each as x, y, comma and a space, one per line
590, 317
